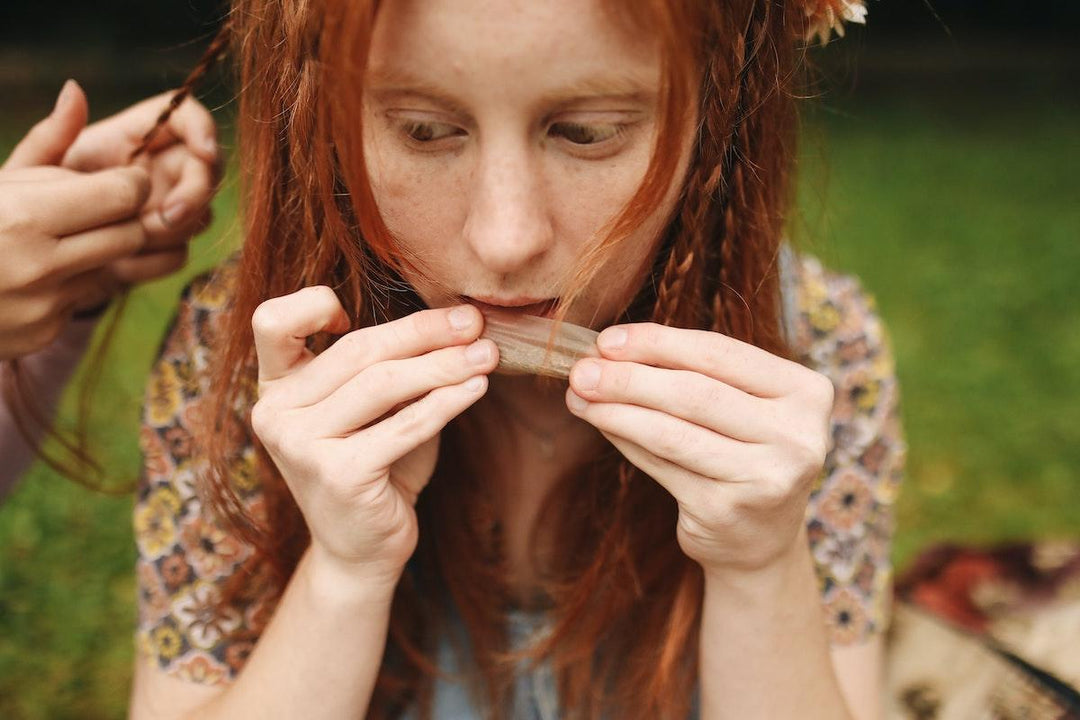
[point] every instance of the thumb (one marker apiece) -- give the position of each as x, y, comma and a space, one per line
47, 141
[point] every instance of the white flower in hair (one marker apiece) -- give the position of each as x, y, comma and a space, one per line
825, 16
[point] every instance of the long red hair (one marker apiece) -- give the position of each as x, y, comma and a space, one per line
624, 601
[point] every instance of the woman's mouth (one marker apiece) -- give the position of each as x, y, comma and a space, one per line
520, 305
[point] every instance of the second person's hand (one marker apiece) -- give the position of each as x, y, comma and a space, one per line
77, 224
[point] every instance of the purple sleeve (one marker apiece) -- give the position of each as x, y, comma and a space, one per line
47, 372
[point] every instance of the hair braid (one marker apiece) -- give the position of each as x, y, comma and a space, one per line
753, 203
692, 257
213, 54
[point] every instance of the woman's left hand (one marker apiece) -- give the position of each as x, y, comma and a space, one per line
735, 434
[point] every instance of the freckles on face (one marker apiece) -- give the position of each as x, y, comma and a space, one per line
502, 138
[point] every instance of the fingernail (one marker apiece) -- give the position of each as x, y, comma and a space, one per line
587, 375
462, 317
478, 353
174, 213
576, 403
475, 384
612, 338
65, 96
210, 146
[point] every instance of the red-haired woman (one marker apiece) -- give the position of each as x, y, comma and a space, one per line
347, 513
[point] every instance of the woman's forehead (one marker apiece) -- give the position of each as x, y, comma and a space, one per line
547, 46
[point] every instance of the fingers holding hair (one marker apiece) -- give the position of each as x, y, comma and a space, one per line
75, 203
111, 141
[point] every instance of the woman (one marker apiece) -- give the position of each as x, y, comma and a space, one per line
391, 529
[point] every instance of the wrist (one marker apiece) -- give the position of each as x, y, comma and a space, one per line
782, 573
340, 583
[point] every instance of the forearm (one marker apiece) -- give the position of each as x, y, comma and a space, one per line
764, 652
47, 372
319, 656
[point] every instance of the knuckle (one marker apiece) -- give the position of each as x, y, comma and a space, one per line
262, 422
354, 347
267, 422
269, 318
808, 453
395, 331
131, 189
41, 311
820, 390
776, 493
131, 237
321, 294
670, 442
770, 489
701, 397
30, 270
423, 324
383, 375
445, 368
411, 419
16, 220
291, 445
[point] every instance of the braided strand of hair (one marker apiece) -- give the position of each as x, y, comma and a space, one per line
214, 53
751, 210
681, 288
732, 189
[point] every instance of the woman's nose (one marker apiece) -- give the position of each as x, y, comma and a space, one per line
508, 226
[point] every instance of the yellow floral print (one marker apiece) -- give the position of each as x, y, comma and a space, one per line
155, 529
163, 396
167, 641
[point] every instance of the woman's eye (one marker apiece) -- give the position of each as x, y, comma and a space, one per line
425, 132
584, 134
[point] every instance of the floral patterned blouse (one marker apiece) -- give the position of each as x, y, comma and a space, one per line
185, 556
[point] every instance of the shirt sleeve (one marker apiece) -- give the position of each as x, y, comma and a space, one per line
850, 514
186, 555
47, 371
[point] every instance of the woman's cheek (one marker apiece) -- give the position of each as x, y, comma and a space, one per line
421, 208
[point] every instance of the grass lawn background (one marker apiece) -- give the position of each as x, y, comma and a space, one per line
959, 213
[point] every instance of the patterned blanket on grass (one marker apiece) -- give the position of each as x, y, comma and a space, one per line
987, 633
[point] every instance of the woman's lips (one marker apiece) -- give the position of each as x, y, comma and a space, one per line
525, 306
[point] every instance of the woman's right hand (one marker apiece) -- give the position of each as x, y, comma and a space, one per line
354, 431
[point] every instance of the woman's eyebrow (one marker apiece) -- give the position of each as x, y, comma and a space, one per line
385, 83
622, 88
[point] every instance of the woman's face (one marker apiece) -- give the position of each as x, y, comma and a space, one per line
502, 136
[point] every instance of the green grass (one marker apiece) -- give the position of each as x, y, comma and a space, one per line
961, 219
